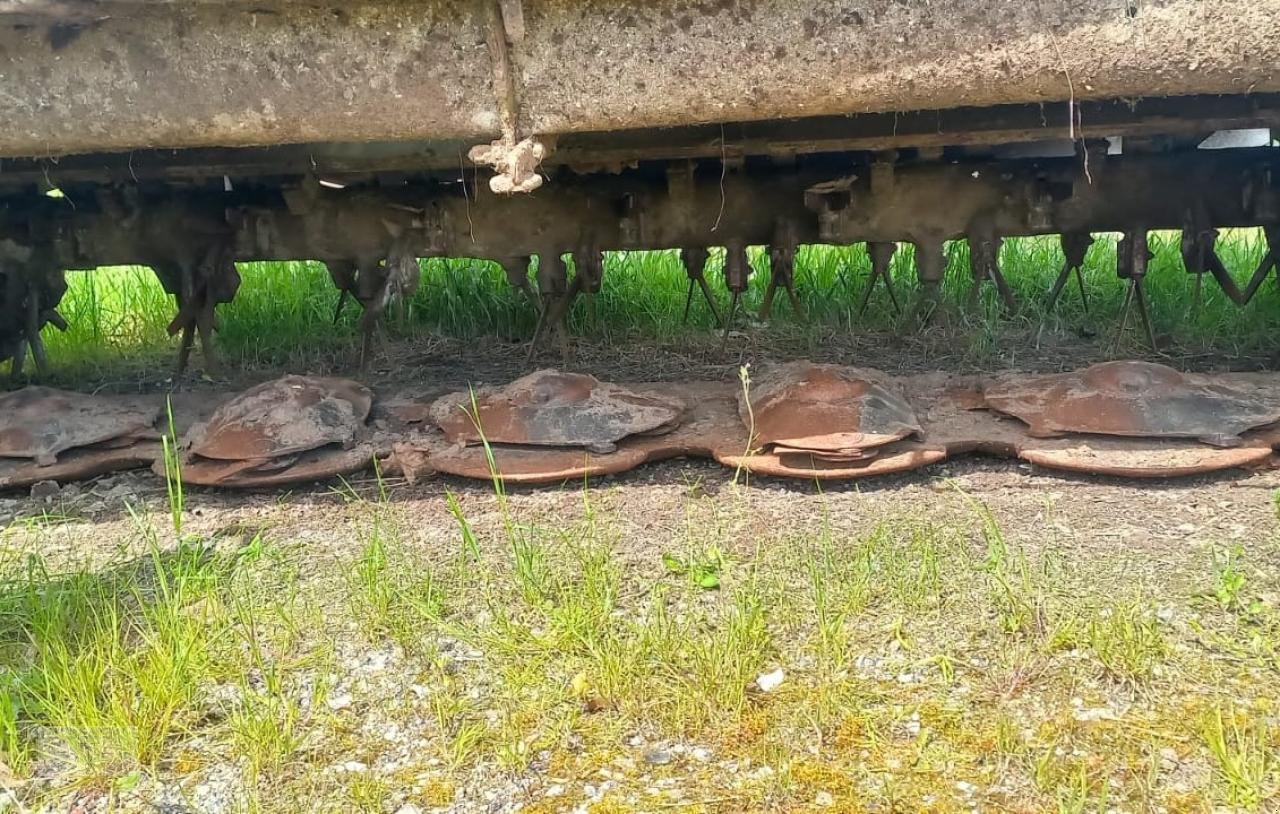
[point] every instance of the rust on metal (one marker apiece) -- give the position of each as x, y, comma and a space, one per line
284, 417
41, 423
813, 467
521, 465
80, 464
709, 423
828, 412
305, 467
291, 430
1134, 399
552, 408
1140, 458
300, 429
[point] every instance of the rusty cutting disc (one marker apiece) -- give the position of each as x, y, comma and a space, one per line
40, 422
710, 423
287, 416
312, 465
832, 413
552, 408
898, 458
1140, 458
1134, 399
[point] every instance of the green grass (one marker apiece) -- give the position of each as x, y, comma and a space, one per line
283, 312
926, 665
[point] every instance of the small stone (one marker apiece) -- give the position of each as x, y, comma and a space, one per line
1096, 714
770, 681
375, 662
658, 757
823, 799
45, 491
700, 753
408, 808
354, 766
340, 701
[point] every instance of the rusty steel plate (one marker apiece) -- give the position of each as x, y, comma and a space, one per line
1145, 458
710, 422
80, 464
522, 465
950, 411
40, 423
552, 408
287, 416
305, 467
1135, 399
836, 413
898, 458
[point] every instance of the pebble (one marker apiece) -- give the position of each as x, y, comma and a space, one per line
375, 662
658, 757
911, 727
408, 808
45, 491
1098, 714
340, 701
823, 799
770, 681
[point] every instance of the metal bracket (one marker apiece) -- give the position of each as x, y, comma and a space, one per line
514, 160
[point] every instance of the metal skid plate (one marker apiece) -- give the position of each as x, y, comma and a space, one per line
1141, 458
1135, 399
830, 412
41, 423
666, 421
289, 430
286, 416
549, 408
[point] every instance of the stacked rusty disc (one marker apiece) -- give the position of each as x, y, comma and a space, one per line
48, 434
